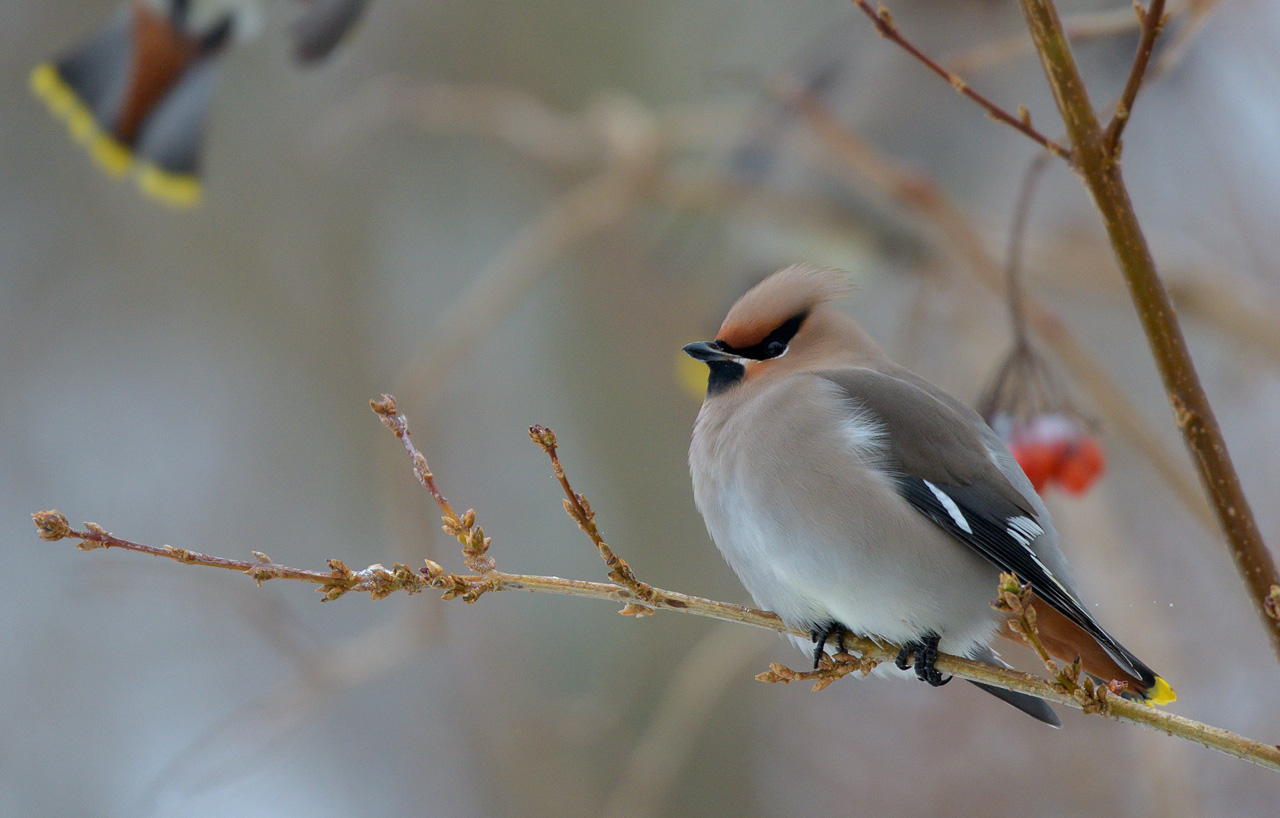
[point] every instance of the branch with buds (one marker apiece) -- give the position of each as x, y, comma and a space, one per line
639, 599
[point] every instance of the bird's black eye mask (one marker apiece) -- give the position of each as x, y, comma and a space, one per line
726, 373
773, 345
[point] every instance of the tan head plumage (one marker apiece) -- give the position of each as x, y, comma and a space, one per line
783, 295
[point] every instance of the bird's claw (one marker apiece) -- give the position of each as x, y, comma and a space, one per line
925, 653
821, 634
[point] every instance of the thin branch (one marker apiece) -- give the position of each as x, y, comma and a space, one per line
1193, 414
510, 116
1022, 122
1153, 21
1171, 55
381, 582
335, 582
579, 508
1082, 27
1013, 261
920, 193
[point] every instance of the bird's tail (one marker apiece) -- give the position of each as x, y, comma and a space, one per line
1064, 640
324, 24
135, 94
1037, 709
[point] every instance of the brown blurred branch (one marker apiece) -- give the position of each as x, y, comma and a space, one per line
693, 693
917, 191
593, 206
381, 582
510, 116
1251, 318
1098, 167
1022, 122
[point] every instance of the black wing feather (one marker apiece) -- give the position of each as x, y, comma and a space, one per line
989, 534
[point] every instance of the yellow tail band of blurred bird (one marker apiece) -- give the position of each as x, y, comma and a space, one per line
47, 84
137, 93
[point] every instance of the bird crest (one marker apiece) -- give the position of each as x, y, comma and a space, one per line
782, 296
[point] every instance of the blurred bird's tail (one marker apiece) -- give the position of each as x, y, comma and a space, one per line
324, 24
136, 96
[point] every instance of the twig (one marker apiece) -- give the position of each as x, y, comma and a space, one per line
920, 193
1153, 21
1177, 49
475, 545
579, 508
338, 580
1013, 262
863, 653
513, 117
1192, 412
1090, 25
1022, 122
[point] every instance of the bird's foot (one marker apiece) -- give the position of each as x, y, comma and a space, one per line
821, 634
925, 652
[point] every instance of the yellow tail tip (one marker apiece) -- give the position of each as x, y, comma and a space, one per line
179, 190
1160, 693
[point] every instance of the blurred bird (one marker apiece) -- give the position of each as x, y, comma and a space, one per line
851, 495
137, 93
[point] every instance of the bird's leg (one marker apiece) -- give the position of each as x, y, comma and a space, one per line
821, 634
925, 651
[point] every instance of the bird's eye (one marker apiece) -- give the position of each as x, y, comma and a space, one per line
774, 349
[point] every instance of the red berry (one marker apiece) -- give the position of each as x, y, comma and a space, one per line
1039, 462
1083, 465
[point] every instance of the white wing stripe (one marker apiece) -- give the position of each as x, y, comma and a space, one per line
1023, 529
950, 505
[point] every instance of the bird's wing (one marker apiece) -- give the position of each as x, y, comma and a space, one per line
322, 26
943, 468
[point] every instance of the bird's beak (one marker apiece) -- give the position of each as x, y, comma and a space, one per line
707, 352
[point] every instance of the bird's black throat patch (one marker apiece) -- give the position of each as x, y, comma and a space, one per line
724, 374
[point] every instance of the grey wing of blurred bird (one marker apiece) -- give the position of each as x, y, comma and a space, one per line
171, 136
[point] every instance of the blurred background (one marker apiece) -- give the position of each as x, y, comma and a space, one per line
517, 213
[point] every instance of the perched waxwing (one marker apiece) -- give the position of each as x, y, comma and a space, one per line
851, 495
137, 93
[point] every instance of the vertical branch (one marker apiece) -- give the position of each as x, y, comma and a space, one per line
1100, 172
